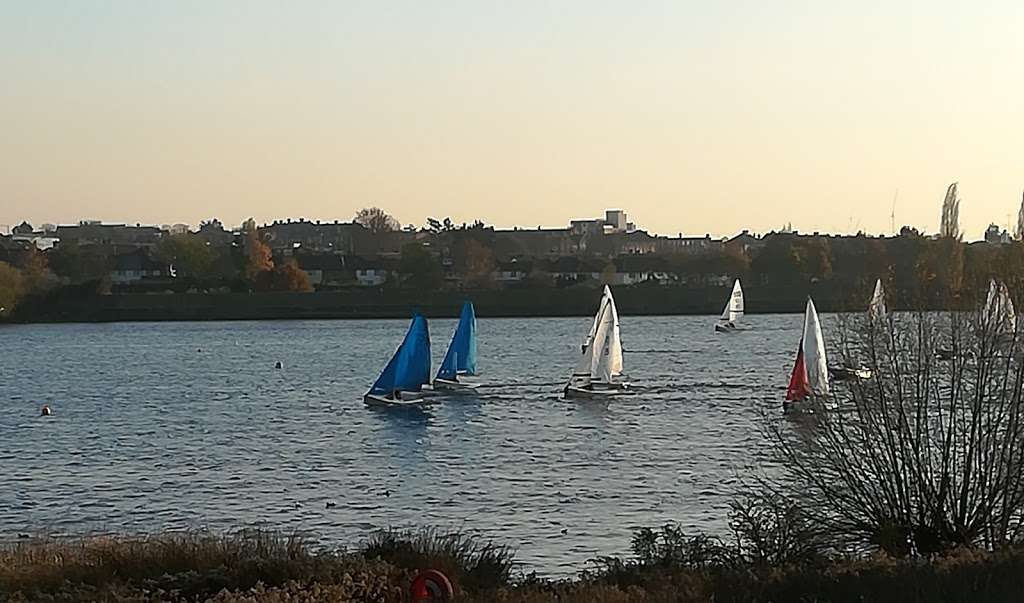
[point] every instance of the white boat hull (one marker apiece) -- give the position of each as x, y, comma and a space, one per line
446, 385
583, 393
375, 400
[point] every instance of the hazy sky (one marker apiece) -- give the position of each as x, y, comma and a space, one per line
694, 117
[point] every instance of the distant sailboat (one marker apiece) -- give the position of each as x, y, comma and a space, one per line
877, 307
407, 371
460, 359
599, 368
999, 307
733, 310
810, 371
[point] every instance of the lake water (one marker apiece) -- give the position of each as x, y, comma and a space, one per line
174, 425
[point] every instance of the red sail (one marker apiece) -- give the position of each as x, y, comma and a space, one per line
799, 388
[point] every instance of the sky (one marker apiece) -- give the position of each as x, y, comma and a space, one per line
695, 117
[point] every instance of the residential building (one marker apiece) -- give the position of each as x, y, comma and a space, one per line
89, 232
135, 266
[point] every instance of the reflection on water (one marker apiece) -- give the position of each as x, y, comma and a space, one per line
190, 425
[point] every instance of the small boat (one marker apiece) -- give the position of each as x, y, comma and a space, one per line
877, 307
598, 372
999, 308
407, 372
460, 359
810, 371
849, 373
733, 311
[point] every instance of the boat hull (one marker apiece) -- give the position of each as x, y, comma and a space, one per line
583, 393
726, 328
849, 373
375, 400
454, 386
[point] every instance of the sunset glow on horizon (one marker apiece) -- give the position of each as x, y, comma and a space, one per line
693, 117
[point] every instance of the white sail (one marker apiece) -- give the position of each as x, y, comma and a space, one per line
733, 310
613, 355
600, 370
876, 307
814, 352
605, 296
586, 364
999, 306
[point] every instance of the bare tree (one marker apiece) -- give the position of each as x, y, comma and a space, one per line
950, 226
376, 220
927, 454
1019, 233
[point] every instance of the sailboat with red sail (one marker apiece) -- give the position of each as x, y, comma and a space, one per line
810, 371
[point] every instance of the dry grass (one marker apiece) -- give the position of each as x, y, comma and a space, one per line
261, 567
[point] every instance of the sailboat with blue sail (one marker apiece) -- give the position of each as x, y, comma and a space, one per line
460, 359
407, 372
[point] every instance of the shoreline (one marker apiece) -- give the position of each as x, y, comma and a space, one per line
399, 303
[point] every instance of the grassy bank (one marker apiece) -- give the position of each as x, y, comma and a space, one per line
263, 567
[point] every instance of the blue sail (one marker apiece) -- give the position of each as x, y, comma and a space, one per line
460, 359
409, 368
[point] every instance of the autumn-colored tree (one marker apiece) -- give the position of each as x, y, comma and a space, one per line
287, 276
10, 288
257, 253
35, 271
608, 274
479, 264
376, 220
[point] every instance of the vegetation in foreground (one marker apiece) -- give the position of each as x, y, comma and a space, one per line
261, 567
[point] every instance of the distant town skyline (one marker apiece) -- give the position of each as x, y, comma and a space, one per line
693, 117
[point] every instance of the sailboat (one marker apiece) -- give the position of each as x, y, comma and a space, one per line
733, 310
460, 359
810, 371
877, 307
407, 371
999, 307
598, 370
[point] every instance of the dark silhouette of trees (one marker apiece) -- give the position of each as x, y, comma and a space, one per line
10, 288
419, 268
189, 254
376, 220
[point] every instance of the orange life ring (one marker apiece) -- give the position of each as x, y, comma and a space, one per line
431, 585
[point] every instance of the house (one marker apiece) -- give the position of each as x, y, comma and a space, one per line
89, 232
511, 271
214, 233
370, 272
569, 270
324, 268
745, 243
135, 266
636, 269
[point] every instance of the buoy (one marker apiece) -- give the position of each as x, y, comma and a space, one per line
278, 365
45, 412
431, 585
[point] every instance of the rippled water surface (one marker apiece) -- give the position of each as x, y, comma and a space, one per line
189, 425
